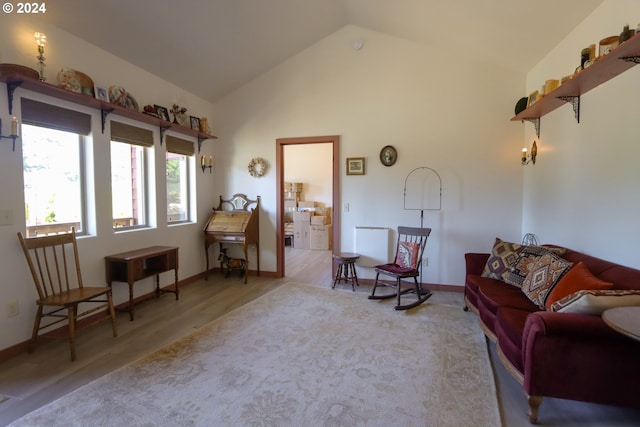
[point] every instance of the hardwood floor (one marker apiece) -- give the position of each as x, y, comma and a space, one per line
29, 381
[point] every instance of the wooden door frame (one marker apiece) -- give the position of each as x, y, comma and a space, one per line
335, 209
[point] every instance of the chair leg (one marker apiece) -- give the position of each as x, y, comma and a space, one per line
398, 292
72, 330
36, 328
375, 285
338, 274
112, 312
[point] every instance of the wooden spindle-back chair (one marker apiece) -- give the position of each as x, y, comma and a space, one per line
407, 264
55, 268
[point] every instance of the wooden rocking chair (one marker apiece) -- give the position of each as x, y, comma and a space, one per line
409, 250
51, 260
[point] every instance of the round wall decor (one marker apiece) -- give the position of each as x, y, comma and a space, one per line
388, 155
257, 167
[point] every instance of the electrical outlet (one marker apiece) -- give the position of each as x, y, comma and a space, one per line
13, 308
425, 262
346, 207
6, 217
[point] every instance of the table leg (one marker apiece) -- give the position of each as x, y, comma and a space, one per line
176, 284
131, 301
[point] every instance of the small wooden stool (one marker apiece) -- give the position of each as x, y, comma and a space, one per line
346, 269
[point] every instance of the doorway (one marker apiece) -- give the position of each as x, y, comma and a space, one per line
281, 143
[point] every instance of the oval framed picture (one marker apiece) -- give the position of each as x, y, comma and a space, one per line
388, 155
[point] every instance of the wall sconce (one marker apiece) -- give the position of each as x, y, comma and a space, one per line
41, 39
14, 131
526, 158
203, 163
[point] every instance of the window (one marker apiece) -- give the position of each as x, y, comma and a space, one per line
129, 175
178, 153
53, 159
53, 184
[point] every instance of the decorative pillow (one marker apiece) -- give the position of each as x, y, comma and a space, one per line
527, 257
543, 275
408, 253
596, 301
576, 279
503, 256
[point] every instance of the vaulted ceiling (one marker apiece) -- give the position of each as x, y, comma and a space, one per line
211, 47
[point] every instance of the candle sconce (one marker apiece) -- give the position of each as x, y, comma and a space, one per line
530, 158
204, 165
14, 132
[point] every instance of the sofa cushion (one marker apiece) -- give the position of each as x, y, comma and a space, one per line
509, 330
596, 301
503, 256
577, 278
494, 294
545, 272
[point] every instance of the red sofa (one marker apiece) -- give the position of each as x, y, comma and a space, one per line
558, 354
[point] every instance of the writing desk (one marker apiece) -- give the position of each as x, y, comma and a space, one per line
131, 266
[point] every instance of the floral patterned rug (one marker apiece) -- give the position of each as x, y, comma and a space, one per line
301, 356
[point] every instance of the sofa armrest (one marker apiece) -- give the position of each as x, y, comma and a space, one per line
475, 262
577, 356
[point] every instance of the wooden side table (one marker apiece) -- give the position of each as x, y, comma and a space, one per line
625, 320
346, 269
129, 267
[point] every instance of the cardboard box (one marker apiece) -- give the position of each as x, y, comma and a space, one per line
289, 195
290, 204
318, 220
301, 237
306, 204
302, 217
320, 237
293, 186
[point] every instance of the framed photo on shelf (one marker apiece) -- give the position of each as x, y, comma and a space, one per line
195, 123
162, 112
355, 165
101, 94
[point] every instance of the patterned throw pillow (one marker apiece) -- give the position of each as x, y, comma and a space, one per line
503, 256
526, 259
408, 253
544, 274
521, 267
596, 302
576, 279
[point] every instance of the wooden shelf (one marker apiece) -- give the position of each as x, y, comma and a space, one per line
14, 81
607, 67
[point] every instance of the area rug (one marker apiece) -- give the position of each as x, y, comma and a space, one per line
300, 356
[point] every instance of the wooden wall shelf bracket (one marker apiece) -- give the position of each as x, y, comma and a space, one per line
575, 103
536, 124
11, 87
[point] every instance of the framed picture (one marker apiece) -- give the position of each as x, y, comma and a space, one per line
101, 94
388, 155
195, 123
355, 165
162, 112
533, 97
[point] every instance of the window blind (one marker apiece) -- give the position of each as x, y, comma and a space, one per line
179, 146
128, 134
53, 117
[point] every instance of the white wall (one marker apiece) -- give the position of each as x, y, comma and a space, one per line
310, 164
18, 46
437, 108
583, 190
